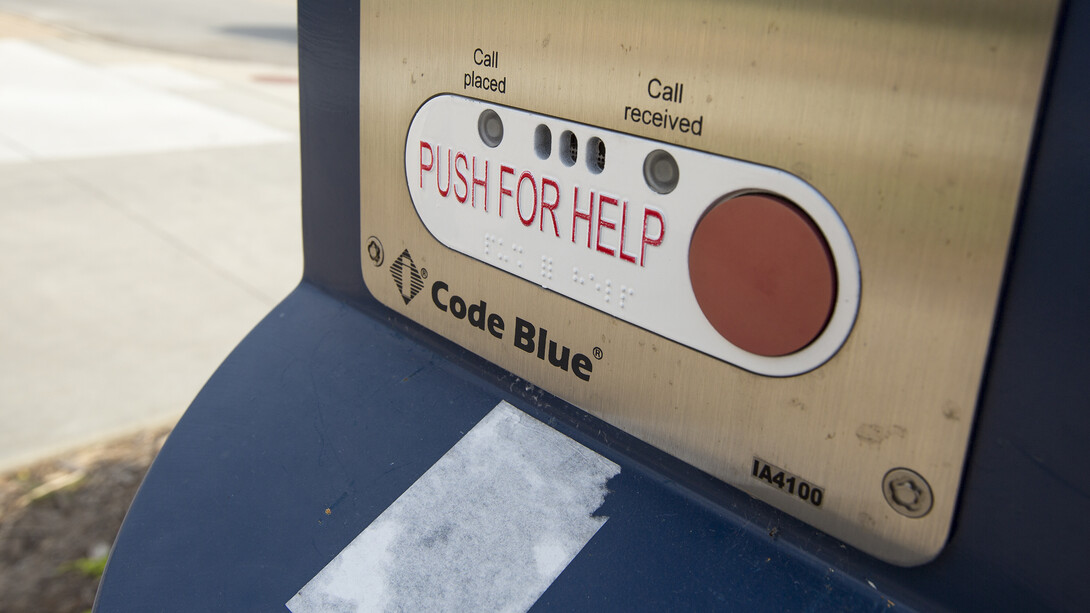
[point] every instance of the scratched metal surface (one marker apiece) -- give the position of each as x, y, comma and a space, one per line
912, 119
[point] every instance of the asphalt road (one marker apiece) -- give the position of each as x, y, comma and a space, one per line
250, 30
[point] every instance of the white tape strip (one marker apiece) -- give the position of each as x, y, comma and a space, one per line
488, 528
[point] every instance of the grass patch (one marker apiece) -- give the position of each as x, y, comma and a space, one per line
88, 567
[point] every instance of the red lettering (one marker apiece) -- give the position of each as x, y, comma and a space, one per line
431, 161
518, 197
624, 225
549, 206
604, 222
438, 171
482, 182
576, 216
647, 240
465, 186
504, 170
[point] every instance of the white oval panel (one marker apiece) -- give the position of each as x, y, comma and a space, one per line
601, 236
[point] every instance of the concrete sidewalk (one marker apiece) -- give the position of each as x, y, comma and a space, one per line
149, 217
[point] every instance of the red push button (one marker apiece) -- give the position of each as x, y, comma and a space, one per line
762, 274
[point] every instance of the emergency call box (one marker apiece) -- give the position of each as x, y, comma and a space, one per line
765, 239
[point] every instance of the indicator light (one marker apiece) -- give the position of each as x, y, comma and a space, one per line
660, 171
490, 127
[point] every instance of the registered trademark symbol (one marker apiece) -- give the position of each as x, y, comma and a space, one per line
598, 353
424, 273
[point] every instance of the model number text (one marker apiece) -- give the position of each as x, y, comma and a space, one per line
787, 482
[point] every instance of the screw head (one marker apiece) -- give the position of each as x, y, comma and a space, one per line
907, 492
374, 251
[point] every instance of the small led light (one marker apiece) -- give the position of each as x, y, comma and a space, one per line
490, 127
660, 171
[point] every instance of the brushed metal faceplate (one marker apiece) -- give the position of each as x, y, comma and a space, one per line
913, 119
